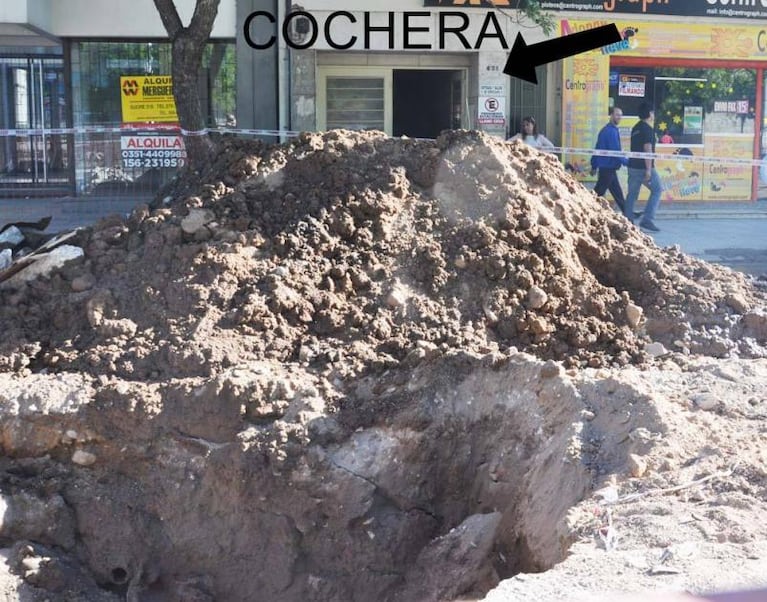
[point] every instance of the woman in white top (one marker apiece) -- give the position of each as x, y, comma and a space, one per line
529, 135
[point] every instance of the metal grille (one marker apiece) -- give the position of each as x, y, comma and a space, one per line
529, 99
97, 68
32, 96
355, 103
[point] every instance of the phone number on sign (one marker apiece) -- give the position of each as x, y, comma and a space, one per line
147, 162
153, 154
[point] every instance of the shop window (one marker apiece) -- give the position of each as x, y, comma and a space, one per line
102, 164
98, 66
719, 101
698, 112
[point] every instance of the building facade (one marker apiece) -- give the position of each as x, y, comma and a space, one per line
411, 67
700, 67
62, 113
415, 67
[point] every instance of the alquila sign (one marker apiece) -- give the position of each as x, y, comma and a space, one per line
755, 9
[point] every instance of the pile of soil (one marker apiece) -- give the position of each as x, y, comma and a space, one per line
355, 251
292, 381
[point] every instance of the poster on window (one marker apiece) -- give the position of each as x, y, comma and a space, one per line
728, 181
631, 85
693, 120
681, 176
147, 99
152, 150
584, 108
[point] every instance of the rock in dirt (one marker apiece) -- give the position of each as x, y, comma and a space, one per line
637, 465
706, 401
656, 349
633, 315
83, 458
196, 220
46, 263
453, 563
6, 258
83, 283
11, 237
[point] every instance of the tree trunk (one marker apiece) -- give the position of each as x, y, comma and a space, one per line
188, 45
187, 58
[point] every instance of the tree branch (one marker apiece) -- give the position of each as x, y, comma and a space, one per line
205, 12
170, 18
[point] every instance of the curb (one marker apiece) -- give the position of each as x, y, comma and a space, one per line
710, 214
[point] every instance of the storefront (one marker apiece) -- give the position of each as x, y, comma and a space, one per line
423, 68
63, 119
705, 82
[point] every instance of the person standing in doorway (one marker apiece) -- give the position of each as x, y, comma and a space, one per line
530, 135
609, 138
642, 171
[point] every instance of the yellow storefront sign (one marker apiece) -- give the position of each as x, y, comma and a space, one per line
585, 100
695, 41
147, 99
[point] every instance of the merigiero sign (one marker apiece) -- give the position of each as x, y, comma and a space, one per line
756, 9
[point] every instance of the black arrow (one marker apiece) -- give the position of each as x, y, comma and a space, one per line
523, 59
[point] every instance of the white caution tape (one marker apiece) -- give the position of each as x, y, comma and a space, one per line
159, 129
666, 156
97, 129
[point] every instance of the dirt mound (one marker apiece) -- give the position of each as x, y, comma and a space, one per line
339, 365
353, 250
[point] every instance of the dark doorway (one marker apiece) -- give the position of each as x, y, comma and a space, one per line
426, 102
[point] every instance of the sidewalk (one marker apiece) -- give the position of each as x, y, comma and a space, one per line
709, 210
67, 213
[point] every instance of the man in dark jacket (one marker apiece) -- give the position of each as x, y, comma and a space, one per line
609, 138
642, 171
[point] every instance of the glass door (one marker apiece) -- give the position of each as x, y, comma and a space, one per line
32, 97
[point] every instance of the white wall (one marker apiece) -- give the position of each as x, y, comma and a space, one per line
39, 13
13, 11
121, 18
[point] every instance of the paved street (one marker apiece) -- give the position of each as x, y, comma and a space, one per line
740, 243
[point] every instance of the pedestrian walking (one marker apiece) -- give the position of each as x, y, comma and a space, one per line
530, 135
642, 171
609, 138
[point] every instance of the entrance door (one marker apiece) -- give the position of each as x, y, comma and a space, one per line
427, 101
32, 97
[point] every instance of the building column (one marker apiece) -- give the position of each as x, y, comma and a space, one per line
257, 69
